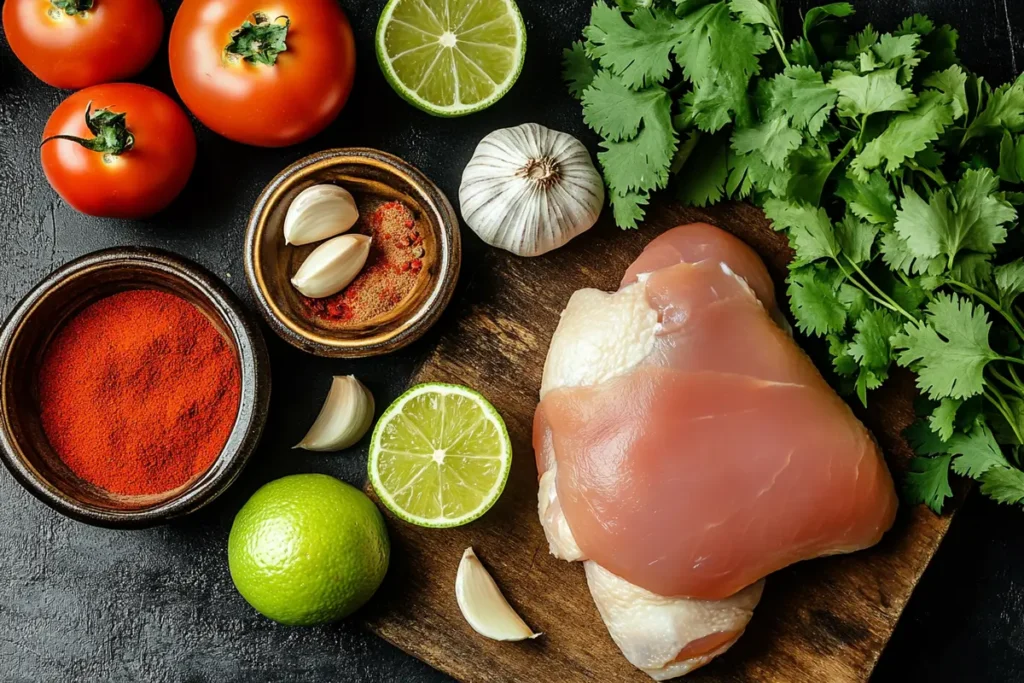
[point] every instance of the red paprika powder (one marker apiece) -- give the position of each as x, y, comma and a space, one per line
139, 392
391, 270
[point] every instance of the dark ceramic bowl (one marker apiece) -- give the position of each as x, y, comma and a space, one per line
24, 447
370, 175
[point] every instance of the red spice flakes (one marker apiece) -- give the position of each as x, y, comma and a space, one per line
392, 268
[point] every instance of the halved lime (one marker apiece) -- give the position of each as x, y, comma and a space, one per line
451, 57
439, 456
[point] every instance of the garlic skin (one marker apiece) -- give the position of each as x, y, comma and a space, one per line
483, 605
332, 266
530, 189
319, 212
346, 416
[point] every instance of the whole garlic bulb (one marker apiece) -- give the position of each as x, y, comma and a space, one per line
530, 189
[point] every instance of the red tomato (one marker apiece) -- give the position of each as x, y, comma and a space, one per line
133, 183
107, 40
268, 99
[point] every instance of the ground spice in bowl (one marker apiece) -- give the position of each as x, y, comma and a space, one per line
139, 392
391, 271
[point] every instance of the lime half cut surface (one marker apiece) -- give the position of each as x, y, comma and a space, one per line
451, 57
439, 456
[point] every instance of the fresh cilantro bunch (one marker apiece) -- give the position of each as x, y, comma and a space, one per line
895, 172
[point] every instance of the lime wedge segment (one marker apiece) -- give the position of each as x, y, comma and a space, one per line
451, 57
440, 456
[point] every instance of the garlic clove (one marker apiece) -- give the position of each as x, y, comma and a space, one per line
483, 605
345, 417
332, 266
319, 212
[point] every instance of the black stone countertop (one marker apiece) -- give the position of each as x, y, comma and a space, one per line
85, 604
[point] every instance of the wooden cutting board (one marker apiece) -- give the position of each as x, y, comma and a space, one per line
824, 620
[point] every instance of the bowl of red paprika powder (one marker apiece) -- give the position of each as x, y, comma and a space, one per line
410, 273
133, 388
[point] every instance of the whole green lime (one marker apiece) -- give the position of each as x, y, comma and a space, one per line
308, 549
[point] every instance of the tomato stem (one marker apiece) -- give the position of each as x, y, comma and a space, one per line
72, 7
110, 130
261, 40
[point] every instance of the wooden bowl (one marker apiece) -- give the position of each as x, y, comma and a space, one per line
24, 447
369, 175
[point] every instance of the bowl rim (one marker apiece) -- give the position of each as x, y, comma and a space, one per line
252, 411
424, 316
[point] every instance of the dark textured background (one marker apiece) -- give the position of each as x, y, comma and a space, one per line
85, 604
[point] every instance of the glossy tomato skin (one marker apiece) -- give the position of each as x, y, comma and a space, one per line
257, 104
113, 41
135, 184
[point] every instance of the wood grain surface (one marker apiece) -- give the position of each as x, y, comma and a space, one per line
824, 620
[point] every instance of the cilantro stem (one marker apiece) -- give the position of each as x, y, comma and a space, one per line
891, 304
1011, 359
996, 398
776, 38
1010, 384
936, 176
992, 303
859, 285
860, 135
1013, 373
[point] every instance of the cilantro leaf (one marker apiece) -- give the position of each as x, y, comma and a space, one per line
801, 95
862, 42
1009, 280
906, 135
953, 83
801, 53
872, 350
1004, 111
853, 299
842, 361
812, 299
924, 440
809, 229
898, 255
616, 112
935, 228
756, 12
1011, 158
927, 481
871, 93
637, 51
976, 452
773, 141
1003, 485
640, 164
949, 349
628, 208
719, 56
943, 417
898, 52
871, 199
974, 270
818, 15
870, 345
640, 139
703, 184
855, 238
577, 69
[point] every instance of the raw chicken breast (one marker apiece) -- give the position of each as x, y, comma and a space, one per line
687, 448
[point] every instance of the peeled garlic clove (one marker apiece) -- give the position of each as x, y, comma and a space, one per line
530, 189
332, 266
319, 212
483, 605
345, 417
